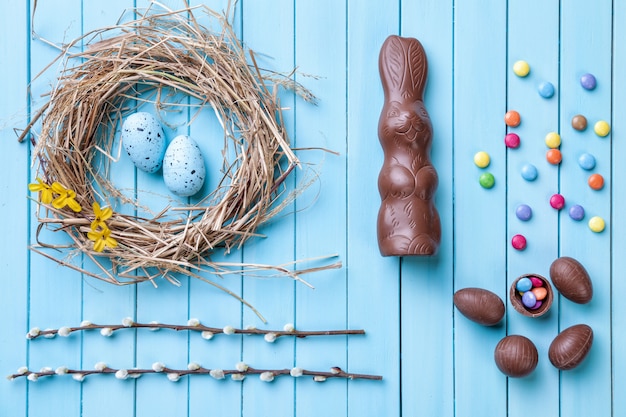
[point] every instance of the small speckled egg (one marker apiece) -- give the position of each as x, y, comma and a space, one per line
183, 167
144, 141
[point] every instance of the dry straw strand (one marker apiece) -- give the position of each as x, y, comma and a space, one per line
160, 53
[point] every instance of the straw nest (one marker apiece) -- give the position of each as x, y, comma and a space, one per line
162, 52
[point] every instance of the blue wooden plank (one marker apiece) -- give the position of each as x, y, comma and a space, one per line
587, 49
539, 48
479, 218
373, 285
427, 283
14, 163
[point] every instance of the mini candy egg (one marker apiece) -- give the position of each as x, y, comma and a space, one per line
516, 356
596, 224
554, 157
557, 201
144, 141
529, 172
536, 282
521, 68
512, 140
523, 212
482, 159
518, 242
546, 89
538, 304
587, 161
528, 299
183, 167
588, 81
524, 284
602, 128
512, 118
540, 293
571, 279
596, 181
577, 212
579, 122
570, 347
487, 180
553, 140
479, 305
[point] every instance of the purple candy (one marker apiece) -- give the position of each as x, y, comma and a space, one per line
537, 305
577, 212
588, 81
523, 212
529, 299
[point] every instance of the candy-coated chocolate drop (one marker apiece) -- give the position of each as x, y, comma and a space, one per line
596, 181
523, 212
537, 305
521, 68
557, 201
588, 81
587, 161
512, 140
596, 224
529, 172
577, 212
602, 128
528, 299
518, 242
554, 157
482, 159
546, 89
536, 282
523, 284
579, 122
512, 118
553, 140
540, 292
487, 180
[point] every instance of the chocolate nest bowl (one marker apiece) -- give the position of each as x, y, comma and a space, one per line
516, 298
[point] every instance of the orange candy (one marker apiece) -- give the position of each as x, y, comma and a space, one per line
540, 292
512, 118
596, 181
554, 156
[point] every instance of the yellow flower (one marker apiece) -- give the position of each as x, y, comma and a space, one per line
65, 198
101, 239
101, 216
45, 192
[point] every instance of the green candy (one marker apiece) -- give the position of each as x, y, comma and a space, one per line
487, 180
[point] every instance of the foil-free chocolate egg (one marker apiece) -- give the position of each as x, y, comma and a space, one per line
570, 347
479, 305
516, 356
571, 279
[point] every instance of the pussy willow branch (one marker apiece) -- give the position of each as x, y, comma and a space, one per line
192, 325
174, 374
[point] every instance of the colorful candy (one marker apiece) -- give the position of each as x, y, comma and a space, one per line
602, 128
512, 140
536, 282
596, 181
546, 89
557, 201
588, 81
529, 172
587, 161
532, 291
528, 299
521, 68
487, 180
512, 118
518, 242
553, 140
577, 212
524, 284
540, 293
523, 212
596, 224
579, 122
554, 157
482, 159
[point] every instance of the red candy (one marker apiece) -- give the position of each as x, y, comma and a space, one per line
511, 140
536, 282
518, 242
557, 201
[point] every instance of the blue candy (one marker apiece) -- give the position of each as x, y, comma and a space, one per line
524, 284
529, 172
587, 161
546, 89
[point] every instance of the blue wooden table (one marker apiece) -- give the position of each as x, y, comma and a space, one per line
434, 361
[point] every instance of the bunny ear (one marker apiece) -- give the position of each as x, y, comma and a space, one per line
403, 67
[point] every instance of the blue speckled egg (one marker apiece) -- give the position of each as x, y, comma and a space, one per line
144, 141
183, 167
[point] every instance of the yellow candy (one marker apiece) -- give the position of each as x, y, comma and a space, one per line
521, 68
596, 224
602, 128
482, 159
553, 140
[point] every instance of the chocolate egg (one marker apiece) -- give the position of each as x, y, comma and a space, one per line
516, 356
479, 305
570, 347
571, 279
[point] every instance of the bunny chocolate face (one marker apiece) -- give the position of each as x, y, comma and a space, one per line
408, 222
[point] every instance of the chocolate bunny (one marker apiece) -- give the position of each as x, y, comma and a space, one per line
408, 222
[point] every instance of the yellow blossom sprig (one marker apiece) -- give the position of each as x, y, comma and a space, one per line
100, 233
101, 216
64, 196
